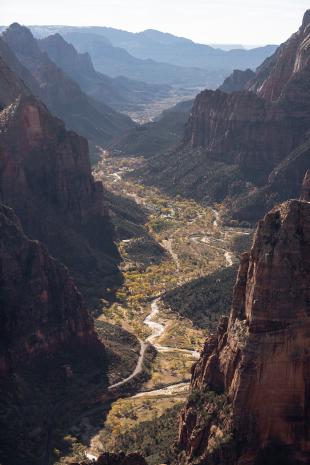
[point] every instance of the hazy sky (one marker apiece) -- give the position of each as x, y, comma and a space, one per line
206, 21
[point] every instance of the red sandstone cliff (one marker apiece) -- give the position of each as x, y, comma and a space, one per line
250, 390
45, 176
50, 356
41, 309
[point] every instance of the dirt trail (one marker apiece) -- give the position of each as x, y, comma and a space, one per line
158, 330
167, 244
138, 369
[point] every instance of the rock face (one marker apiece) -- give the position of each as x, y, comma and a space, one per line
41, 309
250, 389
237, 81
61, 94
45, 177
49, 351
249, 149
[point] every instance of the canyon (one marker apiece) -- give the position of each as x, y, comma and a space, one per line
249, 148
131, 335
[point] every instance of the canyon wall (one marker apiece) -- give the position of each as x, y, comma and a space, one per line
41, 309
247, 144
250, 390
45, 176
62, 94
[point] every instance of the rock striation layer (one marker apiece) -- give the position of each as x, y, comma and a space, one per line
250, 390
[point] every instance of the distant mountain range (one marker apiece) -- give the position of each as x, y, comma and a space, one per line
167, 48
156, 57
120, 92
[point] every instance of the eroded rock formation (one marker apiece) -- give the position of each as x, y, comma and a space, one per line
237, 81
45, 177
250, 390
41, 309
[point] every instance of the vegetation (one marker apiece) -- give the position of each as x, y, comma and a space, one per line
122, 350
159, 136
214, 414
172, 249
154, 438
204, 300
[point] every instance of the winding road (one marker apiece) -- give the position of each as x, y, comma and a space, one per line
158, 330
138, 369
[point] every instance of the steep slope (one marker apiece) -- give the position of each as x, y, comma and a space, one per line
249, 148
237, 81
61, 94
7, 55
275, 74
45, 176
250, 389
48, 347
159, 136
50, 314
121, 93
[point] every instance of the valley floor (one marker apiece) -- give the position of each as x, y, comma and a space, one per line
195, 244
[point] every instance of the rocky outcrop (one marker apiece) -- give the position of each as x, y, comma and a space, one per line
237, 81
41, 309
117, 459
291, 58
45, 176
61, 94
250, 389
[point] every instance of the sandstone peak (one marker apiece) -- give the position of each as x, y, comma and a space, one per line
253, 377
20, 38
306, 19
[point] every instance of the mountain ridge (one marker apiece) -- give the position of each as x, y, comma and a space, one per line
61, 94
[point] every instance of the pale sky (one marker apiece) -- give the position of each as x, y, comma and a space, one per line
205, 21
